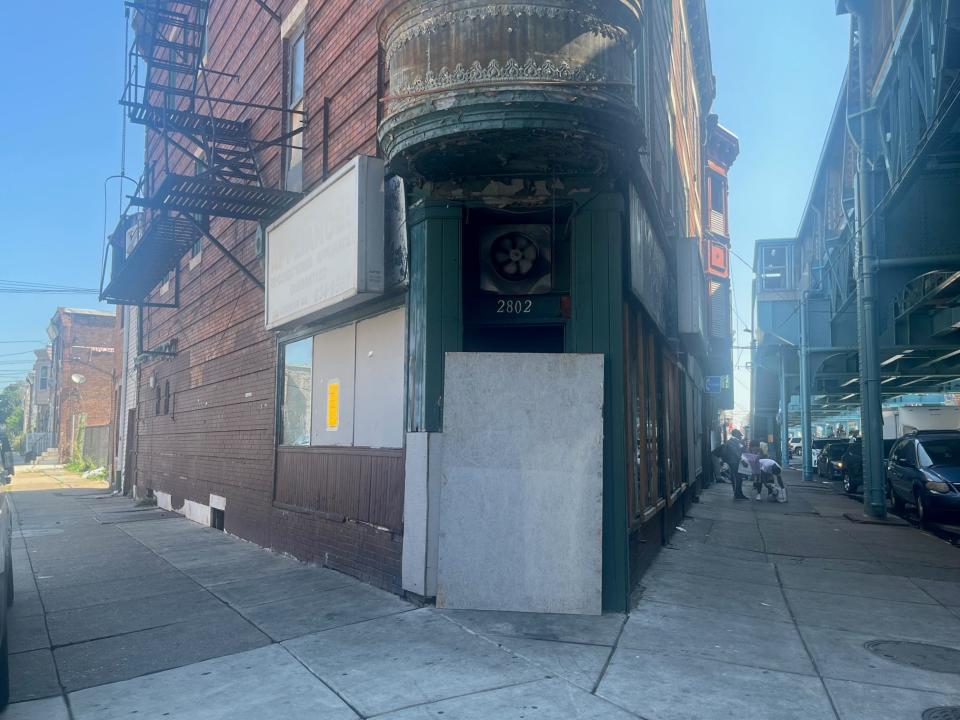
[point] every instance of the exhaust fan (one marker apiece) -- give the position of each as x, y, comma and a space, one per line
516, 260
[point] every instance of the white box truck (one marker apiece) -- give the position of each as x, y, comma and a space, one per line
897, 422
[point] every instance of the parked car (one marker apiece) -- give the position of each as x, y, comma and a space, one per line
924, 470
818, 444
6, 583
853, 463
795, 444
830, 460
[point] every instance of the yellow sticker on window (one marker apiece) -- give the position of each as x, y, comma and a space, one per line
333, 405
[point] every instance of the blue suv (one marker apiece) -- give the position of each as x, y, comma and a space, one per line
924, 470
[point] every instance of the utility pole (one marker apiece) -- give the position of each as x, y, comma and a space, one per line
805, 428
871, 412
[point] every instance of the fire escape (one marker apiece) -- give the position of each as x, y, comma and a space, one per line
206, 164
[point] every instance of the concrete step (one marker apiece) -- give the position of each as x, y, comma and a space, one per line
50, 456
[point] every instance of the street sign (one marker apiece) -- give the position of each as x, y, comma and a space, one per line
713, 384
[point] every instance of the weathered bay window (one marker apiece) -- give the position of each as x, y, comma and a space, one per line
541, 71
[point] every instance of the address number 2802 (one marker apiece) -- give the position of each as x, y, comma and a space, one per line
514, 307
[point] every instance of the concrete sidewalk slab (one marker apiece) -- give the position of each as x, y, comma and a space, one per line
666, 687
755, 600
681, 543
946, 593
52, 708
576, 663
162, 648
33, 675
541, 700
930, 623
122, 616
27, 633
254, 685
870, 567
410, 659
842, 656
586, 629
736, 535
25, 607
218, 569
926, 572
722, 568
296, 616
858, 700
76, 573
120, 589
300, 581
871, 585
717, 635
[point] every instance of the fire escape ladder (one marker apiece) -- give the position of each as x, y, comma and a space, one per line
210, 165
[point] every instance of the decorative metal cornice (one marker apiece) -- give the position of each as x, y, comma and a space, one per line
431, 24
494, 71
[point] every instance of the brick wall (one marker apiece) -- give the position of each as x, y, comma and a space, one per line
85, 346
218, 435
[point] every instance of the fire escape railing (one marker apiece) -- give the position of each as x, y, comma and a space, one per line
206, 164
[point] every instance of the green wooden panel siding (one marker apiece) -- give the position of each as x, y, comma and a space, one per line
435, 316
597, 327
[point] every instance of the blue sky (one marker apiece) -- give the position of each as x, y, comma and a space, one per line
779, 65
59, 138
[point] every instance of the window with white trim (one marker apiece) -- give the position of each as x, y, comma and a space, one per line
294, 90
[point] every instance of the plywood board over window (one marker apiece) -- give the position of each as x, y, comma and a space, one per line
379, 381
352, 380
334, 354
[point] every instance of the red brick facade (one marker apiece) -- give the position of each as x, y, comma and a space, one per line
83, 346
215, 433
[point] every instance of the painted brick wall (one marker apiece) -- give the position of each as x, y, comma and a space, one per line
218, 436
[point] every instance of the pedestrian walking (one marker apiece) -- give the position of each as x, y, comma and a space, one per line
730, 453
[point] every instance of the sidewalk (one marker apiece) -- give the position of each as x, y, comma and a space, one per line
766, 608
756, 611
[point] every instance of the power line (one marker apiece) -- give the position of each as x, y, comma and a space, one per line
19, 287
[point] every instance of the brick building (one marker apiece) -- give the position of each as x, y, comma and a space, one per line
81, 374
205, 370
37, 409
338, 195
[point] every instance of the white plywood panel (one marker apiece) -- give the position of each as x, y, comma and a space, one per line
378, 410
521, 489
326, 253
421, 505
333, 384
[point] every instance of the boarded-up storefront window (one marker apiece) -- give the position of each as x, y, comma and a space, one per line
344, 387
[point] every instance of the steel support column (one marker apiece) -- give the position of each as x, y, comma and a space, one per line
871, 417
784, 411
805, 426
